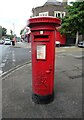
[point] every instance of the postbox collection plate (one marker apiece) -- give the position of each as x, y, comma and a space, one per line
41, 52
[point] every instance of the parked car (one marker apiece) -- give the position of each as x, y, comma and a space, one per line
1, 41
81, 44
57, 43
7, 42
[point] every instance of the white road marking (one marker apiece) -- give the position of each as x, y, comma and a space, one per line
6, 57
4, 60
9, 72
13, 60
13, 57
1, 72
2, 65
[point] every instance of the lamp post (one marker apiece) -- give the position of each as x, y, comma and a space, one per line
13, 29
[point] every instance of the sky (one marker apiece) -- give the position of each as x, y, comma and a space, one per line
15, 13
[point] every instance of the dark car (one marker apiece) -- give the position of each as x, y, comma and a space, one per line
81, 44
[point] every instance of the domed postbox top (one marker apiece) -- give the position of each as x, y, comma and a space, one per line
43, 19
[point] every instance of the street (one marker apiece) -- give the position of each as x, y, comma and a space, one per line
16, 89
13, 56
41, 59
3, 50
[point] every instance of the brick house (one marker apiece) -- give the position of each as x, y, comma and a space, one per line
55, 9
50, 8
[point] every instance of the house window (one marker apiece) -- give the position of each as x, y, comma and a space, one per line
59, 14
43, 14
63, 14
56, 15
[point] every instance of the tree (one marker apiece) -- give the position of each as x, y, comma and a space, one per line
73, 23
21, 31
4, 31
11, 36
11, 32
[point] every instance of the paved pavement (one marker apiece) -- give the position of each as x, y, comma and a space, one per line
17, 91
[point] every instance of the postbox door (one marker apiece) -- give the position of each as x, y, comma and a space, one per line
43, 65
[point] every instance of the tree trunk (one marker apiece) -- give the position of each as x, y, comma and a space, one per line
76, 38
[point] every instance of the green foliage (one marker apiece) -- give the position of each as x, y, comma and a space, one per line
11, 37
74, 20
4, 31
21, 31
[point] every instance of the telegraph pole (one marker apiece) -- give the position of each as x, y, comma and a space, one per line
0, 31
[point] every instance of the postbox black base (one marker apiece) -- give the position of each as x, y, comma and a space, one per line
42, 99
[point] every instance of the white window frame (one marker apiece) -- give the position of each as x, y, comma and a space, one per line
43, 14
56, 13
59, 12
64, 14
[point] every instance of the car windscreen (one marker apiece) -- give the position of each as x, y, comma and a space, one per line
7, 40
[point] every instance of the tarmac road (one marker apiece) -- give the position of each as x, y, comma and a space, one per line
17, 91
15, 55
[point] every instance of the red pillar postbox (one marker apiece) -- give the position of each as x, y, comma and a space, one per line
43, 55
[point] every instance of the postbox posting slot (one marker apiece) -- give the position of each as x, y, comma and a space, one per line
41, 38
41, 52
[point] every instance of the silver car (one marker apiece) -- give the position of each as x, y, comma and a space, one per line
7, 42
81, 44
